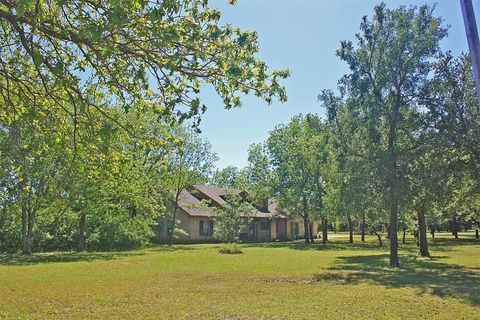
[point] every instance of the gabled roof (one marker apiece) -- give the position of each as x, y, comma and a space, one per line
194, 207
215, 194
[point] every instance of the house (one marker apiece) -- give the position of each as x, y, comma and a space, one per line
198, 219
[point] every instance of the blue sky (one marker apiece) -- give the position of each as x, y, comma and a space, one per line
302, 36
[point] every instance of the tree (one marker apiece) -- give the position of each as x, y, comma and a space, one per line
116, 192
136, 54
65, 64
34, 158
232, 219
348, 174
191, 162
63, 180
231, 177
81, 70
289, 167
389, 66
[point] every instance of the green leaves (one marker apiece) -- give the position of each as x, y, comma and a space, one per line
291, 166
170, 48
232, 219
58, 68
37, 57
23, 6
234, 70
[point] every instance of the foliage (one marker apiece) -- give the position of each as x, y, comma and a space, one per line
232, 219
191, 162
91, 96
290, 167
138, 54
389, 67
231, 177
230, 248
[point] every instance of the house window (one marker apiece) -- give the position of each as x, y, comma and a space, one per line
206, 228
265, 225
294, 228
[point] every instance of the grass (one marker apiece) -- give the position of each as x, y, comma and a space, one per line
267, 281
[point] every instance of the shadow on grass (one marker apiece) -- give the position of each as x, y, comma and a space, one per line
336, 245
448, 244
426, 274
437, 244
58, 257
174, 247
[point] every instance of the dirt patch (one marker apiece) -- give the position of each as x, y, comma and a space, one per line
332, 278
285, 280
245, 317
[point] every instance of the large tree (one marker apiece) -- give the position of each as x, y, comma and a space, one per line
74, 72
35, 155
289, 168
191, 162
143, 54
389, 66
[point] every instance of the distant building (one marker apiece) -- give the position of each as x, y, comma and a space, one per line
198, 219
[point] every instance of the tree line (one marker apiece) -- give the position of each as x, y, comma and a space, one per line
100, 102
100, 107
398, 148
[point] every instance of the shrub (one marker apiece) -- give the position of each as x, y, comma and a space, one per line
229, 248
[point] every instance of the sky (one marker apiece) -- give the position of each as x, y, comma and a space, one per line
302, 36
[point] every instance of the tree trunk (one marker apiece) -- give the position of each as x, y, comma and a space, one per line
25, 246
404, 234
81, 232
477, 235
393, 233
133, 211
422, 225
379, 238
392, 179
306, 223
310, 231
324, 231
363, 228
432, 230
173, 221
306, 229
454, 227
350, 228
17, 139
31, 222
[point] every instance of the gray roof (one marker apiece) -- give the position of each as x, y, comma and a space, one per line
194, 207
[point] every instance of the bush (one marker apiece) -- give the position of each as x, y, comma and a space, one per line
10, 232
55, 230
117, 231
230, 249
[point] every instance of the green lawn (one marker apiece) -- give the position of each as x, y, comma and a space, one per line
267, 281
